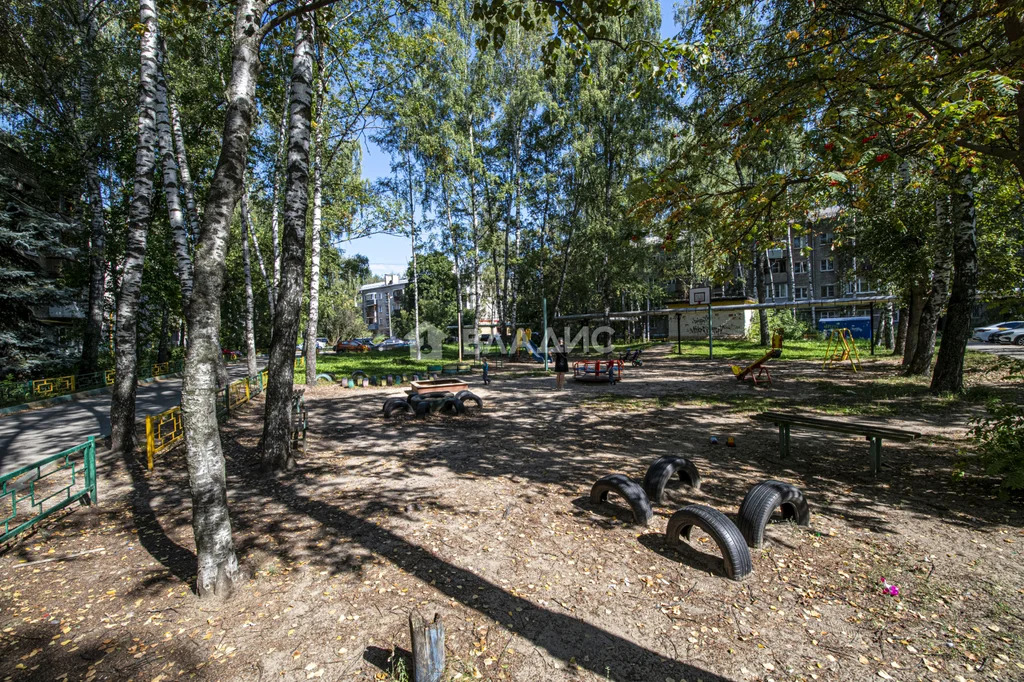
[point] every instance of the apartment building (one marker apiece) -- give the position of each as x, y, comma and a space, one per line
381, 301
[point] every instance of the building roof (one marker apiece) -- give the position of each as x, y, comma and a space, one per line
382, 285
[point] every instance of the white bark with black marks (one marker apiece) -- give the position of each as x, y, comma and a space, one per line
218, 571
250, 333
194, 220
172, 197
316, 225
276, 441
140, 213
251, 229
275, 210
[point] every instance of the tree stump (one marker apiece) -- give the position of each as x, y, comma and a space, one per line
427, 648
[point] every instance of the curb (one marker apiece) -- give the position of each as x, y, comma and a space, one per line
70, 397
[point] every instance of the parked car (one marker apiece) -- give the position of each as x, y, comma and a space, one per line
353, 345
392, 344
987, 334
321, 342
1012, 336
230, 354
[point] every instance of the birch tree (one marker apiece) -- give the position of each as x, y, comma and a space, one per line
122, 404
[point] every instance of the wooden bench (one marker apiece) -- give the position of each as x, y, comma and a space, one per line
872, 432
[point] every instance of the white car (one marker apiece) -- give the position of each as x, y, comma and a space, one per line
1016, 338
985, 334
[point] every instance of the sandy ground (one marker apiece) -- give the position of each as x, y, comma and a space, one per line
485, 519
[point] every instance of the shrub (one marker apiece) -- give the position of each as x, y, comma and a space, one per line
791, 327
1000, 438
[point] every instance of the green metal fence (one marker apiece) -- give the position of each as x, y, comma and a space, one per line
30, 494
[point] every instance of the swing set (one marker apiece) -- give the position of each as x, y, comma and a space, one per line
841, 348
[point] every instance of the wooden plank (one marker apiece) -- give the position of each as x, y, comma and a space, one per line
856, 428
427, 648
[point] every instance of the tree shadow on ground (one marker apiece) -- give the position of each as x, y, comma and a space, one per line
564, 637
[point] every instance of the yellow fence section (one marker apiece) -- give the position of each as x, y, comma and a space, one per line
109, 376
300, 364
51, 386
238, 393
163, 431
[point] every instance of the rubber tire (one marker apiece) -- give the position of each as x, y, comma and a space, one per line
762, 500
661, 472
393, 404
324, 375
1019, 341
724, 532
629, 490
469, 395
453, 406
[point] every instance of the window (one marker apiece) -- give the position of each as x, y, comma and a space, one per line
800, 292
782, 290
779, 266
825, 238
799, 242
801, 267
827, 264
828, 291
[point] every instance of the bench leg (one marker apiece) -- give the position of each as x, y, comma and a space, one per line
783, 441
876, 455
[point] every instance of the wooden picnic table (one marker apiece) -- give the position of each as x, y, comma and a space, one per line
872, 432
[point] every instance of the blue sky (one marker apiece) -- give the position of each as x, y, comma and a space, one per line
388, 254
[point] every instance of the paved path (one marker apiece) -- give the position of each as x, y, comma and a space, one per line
33, 434
998, 349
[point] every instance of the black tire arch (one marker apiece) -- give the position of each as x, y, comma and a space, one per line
629, 490
724, 532
760, 503
661, 471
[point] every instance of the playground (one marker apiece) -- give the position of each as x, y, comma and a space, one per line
486, 518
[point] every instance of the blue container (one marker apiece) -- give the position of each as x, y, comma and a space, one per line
860, 327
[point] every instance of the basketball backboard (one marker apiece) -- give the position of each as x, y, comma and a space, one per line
700, 296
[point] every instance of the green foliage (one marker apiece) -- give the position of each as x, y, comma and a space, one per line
792, 327
1000, 439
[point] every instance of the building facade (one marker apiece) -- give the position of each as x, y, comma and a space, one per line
381, 302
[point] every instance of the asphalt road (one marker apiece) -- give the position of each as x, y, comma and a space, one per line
34, 434
998, 349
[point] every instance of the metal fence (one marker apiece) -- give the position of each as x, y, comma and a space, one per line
18, 392
33, 492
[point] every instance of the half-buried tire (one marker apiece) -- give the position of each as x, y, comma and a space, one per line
629, 490
453, 405
465, 396
717, 525
661, 472
396, 404
761, 502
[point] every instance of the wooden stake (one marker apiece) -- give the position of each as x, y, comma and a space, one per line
427, 648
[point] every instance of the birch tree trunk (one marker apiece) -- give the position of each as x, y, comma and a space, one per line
217, 571
313, 315
250, 333
275, 226
169, 164
140, 213
247, 224
415, 268
476, 247
276, 441
446, 196
191, 207
949, 367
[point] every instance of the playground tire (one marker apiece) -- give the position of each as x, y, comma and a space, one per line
469, 395
396, 404
453, 406
724, 532
421, 408
629, 490
661, 472
324, 375
763, 499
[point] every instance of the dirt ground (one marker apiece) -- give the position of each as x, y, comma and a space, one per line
485, 519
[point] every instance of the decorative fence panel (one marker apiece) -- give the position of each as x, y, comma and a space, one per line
18, 392
163, 431
31, 493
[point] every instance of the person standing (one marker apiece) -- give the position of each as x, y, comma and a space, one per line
487, 375
561, 364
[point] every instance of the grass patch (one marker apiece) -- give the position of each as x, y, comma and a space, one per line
741, 349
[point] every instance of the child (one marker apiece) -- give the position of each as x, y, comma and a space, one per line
561, 364
487, 367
